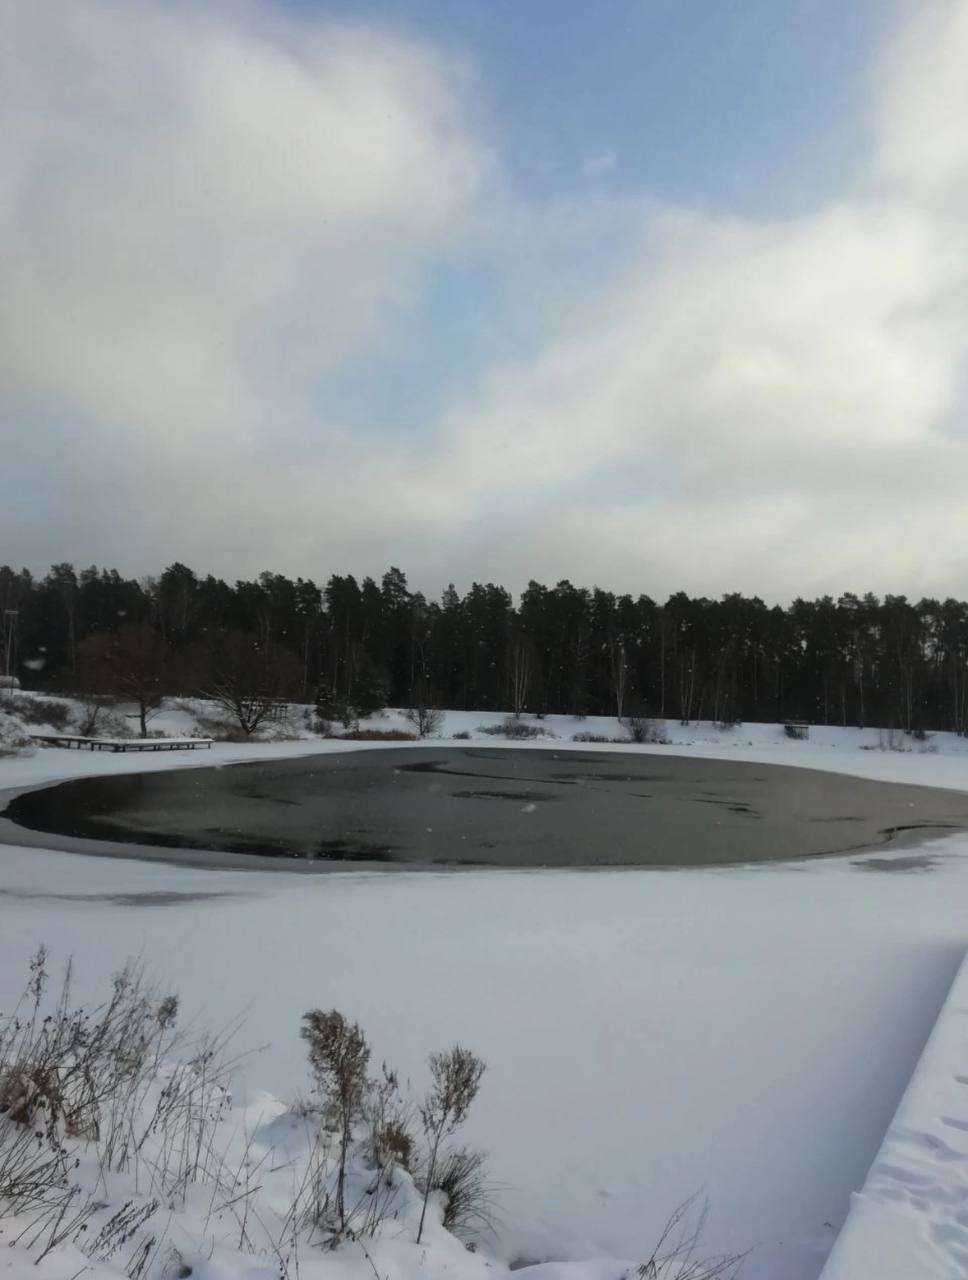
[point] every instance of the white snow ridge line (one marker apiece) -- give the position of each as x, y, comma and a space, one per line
911, 1218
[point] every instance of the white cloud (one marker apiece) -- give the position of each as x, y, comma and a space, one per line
821, 333
204, 209
923, 103
787, 394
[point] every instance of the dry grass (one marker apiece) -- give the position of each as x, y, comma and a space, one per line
677, 1254
122, 1076
375, 735
221, 731
468, 1195
512, 727
121, 1082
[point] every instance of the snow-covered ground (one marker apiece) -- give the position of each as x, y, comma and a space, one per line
912, 1217
744, 1031
940, 761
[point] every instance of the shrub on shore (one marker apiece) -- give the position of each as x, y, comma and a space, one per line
37, 711
514, 728
14, 738
374, 735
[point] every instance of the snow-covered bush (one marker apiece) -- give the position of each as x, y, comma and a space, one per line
14, 738
49, 712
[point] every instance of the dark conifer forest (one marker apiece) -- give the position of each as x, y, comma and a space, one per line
855, 660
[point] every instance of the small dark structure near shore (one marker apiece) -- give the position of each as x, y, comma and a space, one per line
797, 729
119, 744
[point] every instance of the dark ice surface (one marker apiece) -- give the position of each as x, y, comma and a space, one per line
484, 807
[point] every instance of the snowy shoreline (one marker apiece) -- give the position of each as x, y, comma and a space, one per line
940, 761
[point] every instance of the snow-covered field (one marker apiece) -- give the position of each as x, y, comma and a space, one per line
745, 1031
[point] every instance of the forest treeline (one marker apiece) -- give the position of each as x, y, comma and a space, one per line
855, 660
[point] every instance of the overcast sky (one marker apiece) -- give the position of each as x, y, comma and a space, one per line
656, 294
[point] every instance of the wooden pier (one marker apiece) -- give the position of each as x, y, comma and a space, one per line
78, 740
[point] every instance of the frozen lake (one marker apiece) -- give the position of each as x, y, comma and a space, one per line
491, 807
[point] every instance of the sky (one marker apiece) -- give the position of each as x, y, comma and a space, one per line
651, 294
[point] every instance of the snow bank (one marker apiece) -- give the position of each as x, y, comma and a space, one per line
911, 1218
